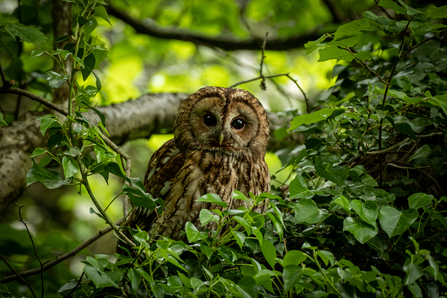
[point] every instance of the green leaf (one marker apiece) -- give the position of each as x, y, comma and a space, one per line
336, 174
405, 128
192, 233
361, 231
298, 188
100, 115
311, 46
100, 279
214, 199
269, 252
367, 211
414, 272
329, 53
135, 279
49, 178
240, 196
307, 211
56, 80
422, 152
98, 81
343, 203
396, 222
70, 167
247, 287
244, 223
89, 65
310, 118
140, 198
29, 34
326, 256
37, 53
347, 35
206, 216
240, 237
277, 225
437, 12
291, 275
37, 152
419, 200
2, 120
294, 257
46, 121
393, 5
101, 12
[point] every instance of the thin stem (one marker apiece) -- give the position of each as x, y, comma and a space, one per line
302, 91
18, 275
383, 103
98, 206
367, 67
257, 78
34, 246
324, 274
263, 87
62, 258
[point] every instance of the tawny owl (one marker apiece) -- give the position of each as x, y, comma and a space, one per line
220, 140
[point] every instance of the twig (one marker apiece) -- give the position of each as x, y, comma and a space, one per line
383, 103
257, 78
419, 44
407, 168
364, 64
65, 256
389, 148
434, 180
302, 91
36, 98
263, 87
77, 285
2, 73
101, 210
18, 275
34, 246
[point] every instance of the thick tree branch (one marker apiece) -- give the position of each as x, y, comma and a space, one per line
223, 42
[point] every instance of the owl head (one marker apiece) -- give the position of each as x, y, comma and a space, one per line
225, 120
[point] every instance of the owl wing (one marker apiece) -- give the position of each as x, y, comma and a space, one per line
163, 168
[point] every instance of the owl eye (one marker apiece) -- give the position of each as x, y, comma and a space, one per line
209, 120
238, 123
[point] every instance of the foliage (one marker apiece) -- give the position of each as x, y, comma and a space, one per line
364, 212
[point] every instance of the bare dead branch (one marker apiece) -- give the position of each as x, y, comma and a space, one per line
65, 256
225, 43
36, 98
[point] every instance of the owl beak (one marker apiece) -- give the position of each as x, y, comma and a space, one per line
221, 138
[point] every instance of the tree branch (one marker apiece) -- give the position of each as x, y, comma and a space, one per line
65, 256
225, 43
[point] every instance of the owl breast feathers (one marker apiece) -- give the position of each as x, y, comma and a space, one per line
220, 140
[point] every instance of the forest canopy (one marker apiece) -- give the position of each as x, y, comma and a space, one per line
357, 105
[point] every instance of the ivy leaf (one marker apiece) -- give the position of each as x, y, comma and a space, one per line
343, 203
70, 167
214, 199
337, 174
206, 216
396, 222
361, 231
307, 211
291, 275
405, 128
56, 80
26, 33
330, 53
101, 12
367, 211
419, 200
414, 272
422, 152
140, 198
310, 118
269, 252
49, 178
247, 287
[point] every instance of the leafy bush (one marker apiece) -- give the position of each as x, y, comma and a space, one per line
363, 214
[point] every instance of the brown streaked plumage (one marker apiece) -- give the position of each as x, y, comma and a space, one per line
220, 140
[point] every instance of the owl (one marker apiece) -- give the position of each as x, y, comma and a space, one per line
220, 140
